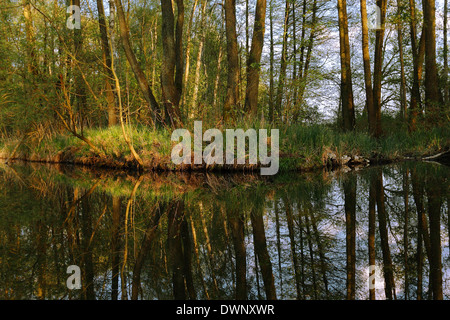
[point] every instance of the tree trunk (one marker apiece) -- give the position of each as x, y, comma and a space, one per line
253, 63
106, 53
403, 111
188, 54
378, 70
31, 37
271, 58
171, 56
216, 81
137, 70
348, 112
231, 101
367, 69
283, 65
193, 105
305, 61
445, 53
432, 93
418, 53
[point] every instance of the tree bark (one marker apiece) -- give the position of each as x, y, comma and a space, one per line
188, 54
253, 63
432, 94
403, 110
445, 53
106, 54
377, 71
348, 111
170, 60
193, 105
418, 53
271, 66
367, 68
231, 100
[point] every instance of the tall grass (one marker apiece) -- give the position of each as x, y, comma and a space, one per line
300, 145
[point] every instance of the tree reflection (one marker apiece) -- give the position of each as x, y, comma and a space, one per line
225, 237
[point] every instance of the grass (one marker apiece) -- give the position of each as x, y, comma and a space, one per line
301, 147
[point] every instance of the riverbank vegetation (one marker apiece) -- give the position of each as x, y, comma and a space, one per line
301, 147
108, 86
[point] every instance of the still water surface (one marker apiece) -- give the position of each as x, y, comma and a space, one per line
197, 236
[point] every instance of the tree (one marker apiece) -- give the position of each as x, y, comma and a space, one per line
445, 53
418, 53
112, 118
403, 111
137, 70
375, 116
284, 61
367, 68
348, 111
432, 93
231, 100
172, 60
253, 63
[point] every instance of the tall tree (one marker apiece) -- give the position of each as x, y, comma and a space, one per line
271, 65
432, 94
231, 100
137, 70
253, 63
188, 53
305, 58
367, 68
106, 55
284, 60
375, 124
418, 53
348, 111
446, 83
193, 104
403, 111
172, 60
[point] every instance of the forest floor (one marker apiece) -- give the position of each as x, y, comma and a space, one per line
302, 148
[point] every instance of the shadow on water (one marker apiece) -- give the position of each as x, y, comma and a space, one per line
376, 233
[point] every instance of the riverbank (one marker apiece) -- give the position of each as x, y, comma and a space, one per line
302, 148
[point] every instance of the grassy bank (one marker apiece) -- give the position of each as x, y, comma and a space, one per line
301, 147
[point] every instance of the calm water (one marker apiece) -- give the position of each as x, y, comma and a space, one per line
175, 236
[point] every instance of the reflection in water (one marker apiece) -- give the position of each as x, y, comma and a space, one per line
173, 236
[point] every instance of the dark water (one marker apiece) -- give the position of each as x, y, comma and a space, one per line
166, 236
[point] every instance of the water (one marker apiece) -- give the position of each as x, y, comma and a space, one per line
197, 236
